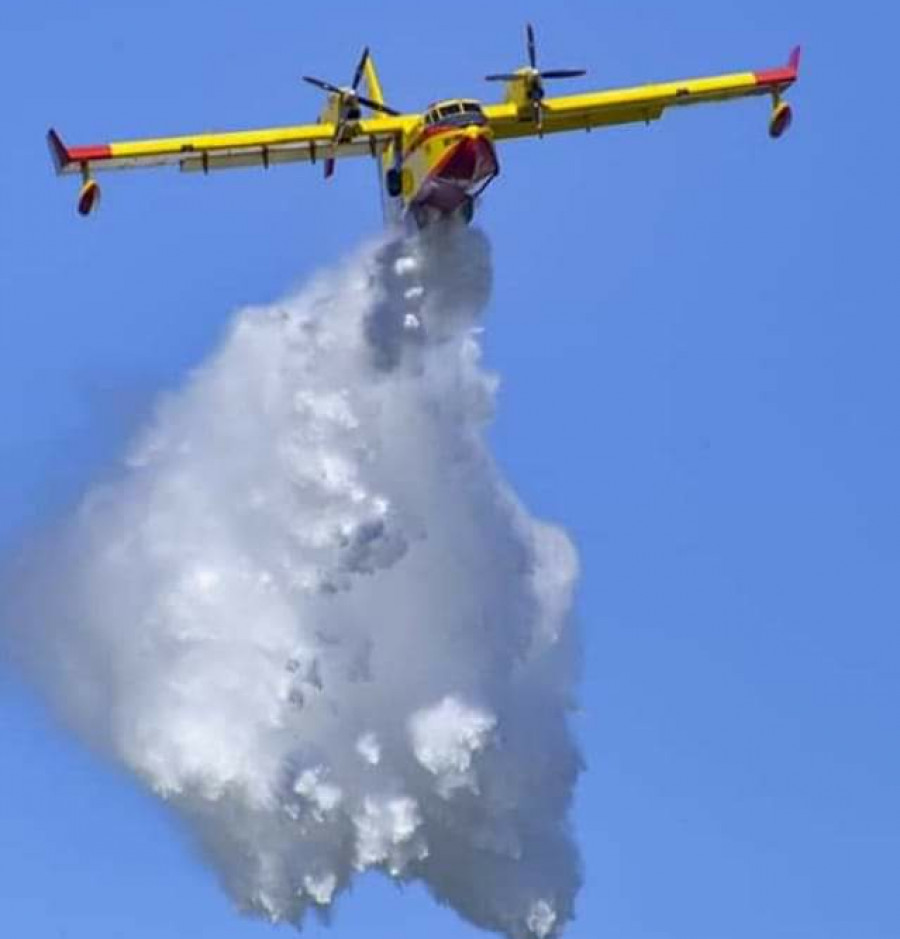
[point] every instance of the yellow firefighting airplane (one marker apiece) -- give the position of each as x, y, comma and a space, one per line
433, 164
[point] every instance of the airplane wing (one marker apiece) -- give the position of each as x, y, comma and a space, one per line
205, 152
643, 103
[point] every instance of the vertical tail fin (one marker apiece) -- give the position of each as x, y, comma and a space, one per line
373, 85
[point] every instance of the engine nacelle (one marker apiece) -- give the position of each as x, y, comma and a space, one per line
780, 121
88, 197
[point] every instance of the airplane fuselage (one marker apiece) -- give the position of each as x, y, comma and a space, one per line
442, 164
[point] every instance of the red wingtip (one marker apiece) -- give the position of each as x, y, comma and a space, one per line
58, 151
794, 60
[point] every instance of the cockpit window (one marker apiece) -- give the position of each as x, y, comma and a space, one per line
455, 113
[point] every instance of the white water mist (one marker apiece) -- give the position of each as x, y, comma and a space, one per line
310, 614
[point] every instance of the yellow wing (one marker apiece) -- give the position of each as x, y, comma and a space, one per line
520, 117
205, 152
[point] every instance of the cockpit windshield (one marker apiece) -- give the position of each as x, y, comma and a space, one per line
455, 114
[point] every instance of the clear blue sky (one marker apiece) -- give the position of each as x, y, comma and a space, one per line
697, 333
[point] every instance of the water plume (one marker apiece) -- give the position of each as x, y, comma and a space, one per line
308, 612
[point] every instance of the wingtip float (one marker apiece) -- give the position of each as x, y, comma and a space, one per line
435, 163
78, 159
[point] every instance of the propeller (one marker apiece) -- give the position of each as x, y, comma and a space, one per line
349, 102
534, 77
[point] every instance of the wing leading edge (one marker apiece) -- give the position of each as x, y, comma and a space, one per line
639, 104
204, 152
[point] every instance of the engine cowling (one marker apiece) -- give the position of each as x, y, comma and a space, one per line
780, 121
88, 197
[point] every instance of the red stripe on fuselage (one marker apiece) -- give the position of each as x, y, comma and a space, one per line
436, 130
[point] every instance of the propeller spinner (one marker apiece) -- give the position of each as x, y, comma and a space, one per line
533, 77
349, 102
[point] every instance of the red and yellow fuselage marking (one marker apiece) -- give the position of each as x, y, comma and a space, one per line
443, 166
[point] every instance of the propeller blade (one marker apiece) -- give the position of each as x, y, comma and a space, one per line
330, 161
564, 73
504, 77
532, 46
325, 86
337, 136
376, 106
360, 69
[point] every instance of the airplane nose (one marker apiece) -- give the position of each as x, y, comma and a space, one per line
472, 158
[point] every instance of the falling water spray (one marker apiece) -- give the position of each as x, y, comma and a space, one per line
308, 612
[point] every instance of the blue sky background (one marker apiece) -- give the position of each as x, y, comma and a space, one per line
697, 333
